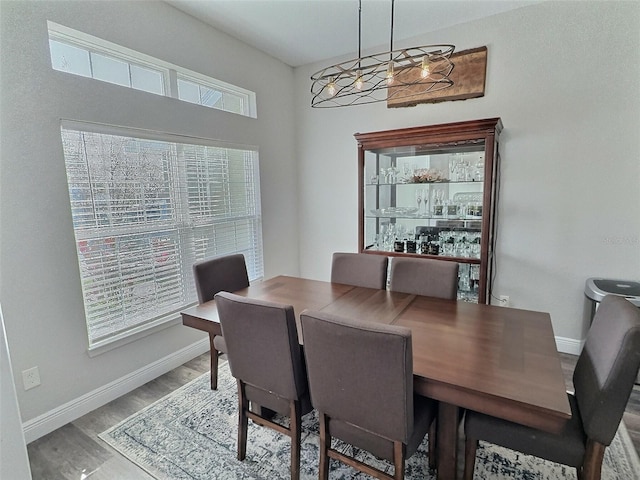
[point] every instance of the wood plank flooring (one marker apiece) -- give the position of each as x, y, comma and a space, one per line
74, 451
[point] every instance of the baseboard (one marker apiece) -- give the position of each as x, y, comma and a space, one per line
70, 411
569, 345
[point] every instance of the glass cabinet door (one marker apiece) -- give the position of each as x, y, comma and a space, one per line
430, 200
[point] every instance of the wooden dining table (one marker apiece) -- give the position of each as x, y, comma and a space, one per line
495, 360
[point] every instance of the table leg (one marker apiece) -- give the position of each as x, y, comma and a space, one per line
214, 362
447, 441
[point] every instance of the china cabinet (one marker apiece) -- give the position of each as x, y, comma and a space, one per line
431, 192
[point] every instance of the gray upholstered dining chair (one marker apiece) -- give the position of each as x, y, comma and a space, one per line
221, 274
361, 383
603, 379
424, 276
266, 359
359, 269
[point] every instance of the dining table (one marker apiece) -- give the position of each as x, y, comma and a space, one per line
495, 360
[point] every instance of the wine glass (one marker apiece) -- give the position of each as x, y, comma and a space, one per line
463, 277
479, 173
382, 236
384, 176
436, 203
393, 175
391, 236
419, 197
408, 172
474, 277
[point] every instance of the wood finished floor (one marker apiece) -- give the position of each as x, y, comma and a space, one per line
75, 452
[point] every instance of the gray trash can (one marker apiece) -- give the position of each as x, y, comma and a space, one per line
597, 288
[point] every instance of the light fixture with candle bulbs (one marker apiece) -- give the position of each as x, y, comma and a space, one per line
396, 74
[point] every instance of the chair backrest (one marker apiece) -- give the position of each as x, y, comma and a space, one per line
360, 373
359, 269
607, 367
222, 274
262, 344
424, 276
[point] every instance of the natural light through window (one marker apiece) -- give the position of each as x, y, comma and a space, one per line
144, 210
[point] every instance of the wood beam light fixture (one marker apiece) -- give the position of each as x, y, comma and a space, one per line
379, 77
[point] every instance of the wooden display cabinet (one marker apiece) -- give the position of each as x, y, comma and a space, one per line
431, 192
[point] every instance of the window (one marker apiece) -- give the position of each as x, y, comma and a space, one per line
211, 95
88, 56
69, 58
145, 207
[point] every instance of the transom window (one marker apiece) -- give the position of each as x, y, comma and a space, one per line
145, 208
81, 54
81, 61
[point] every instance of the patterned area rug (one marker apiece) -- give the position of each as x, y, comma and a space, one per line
191, 434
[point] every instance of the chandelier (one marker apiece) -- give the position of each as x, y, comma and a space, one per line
394, 74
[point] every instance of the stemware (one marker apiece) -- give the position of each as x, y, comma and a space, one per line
463, 278
475, 240
454, 167
474, 277
408, 169
382, 235
437, 203
479, 173
391, 236
401, 231
392, 173
420, 197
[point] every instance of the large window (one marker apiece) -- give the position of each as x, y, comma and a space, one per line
81, 54
145, 207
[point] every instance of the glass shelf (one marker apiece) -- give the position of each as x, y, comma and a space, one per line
424, 184
426, 217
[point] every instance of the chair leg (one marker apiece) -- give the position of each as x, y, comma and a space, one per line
433, 454
324, 458
214, 363
592, 465
398, 460
296, 433
470, 447
243, 421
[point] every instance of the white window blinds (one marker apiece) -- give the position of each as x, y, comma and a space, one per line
144, 210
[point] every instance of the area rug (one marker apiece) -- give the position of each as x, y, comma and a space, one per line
191, 434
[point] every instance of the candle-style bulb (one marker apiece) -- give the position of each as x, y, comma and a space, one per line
359, 83
390, 73
331, 87
426, 67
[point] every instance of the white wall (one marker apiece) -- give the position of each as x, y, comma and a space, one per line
565, 79
39, 280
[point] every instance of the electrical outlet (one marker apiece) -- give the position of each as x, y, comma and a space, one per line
31, 378
504, 300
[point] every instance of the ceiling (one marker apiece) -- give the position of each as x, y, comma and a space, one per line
299, 32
